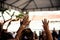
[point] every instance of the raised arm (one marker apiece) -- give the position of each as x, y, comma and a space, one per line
46, 28
23, 26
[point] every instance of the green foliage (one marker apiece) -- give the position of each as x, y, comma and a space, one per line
20, 15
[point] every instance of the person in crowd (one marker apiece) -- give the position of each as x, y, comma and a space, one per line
35, 35
5, 35
59, 35
43, 36
40, 35
24, 24
0, 30
27, 34
54, 34
46, 29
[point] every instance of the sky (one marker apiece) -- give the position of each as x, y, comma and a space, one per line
36, 18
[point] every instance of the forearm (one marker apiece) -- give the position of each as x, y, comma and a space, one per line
48, 34
19, 32
23, 26
47, 31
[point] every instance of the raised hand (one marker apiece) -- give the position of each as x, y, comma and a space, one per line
45, 24
25, 22
46, 28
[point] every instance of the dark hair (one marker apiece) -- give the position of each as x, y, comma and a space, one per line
28, 33
59, 32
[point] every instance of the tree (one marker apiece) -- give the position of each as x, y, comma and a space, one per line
4, 21
4, 34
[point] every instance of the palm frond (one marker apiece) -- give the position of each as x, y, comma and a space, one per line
19, 15
8, 13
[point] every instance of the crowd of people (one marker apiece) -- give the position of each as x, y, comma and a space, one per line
5, 35
55, 34
27, 34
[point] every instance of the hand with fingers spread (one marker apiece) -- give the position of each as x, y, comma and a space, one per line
46, 28
45, 24
25, 22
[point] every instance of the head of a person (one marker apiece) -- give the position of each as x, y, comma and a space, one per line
27, 34
59, 32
